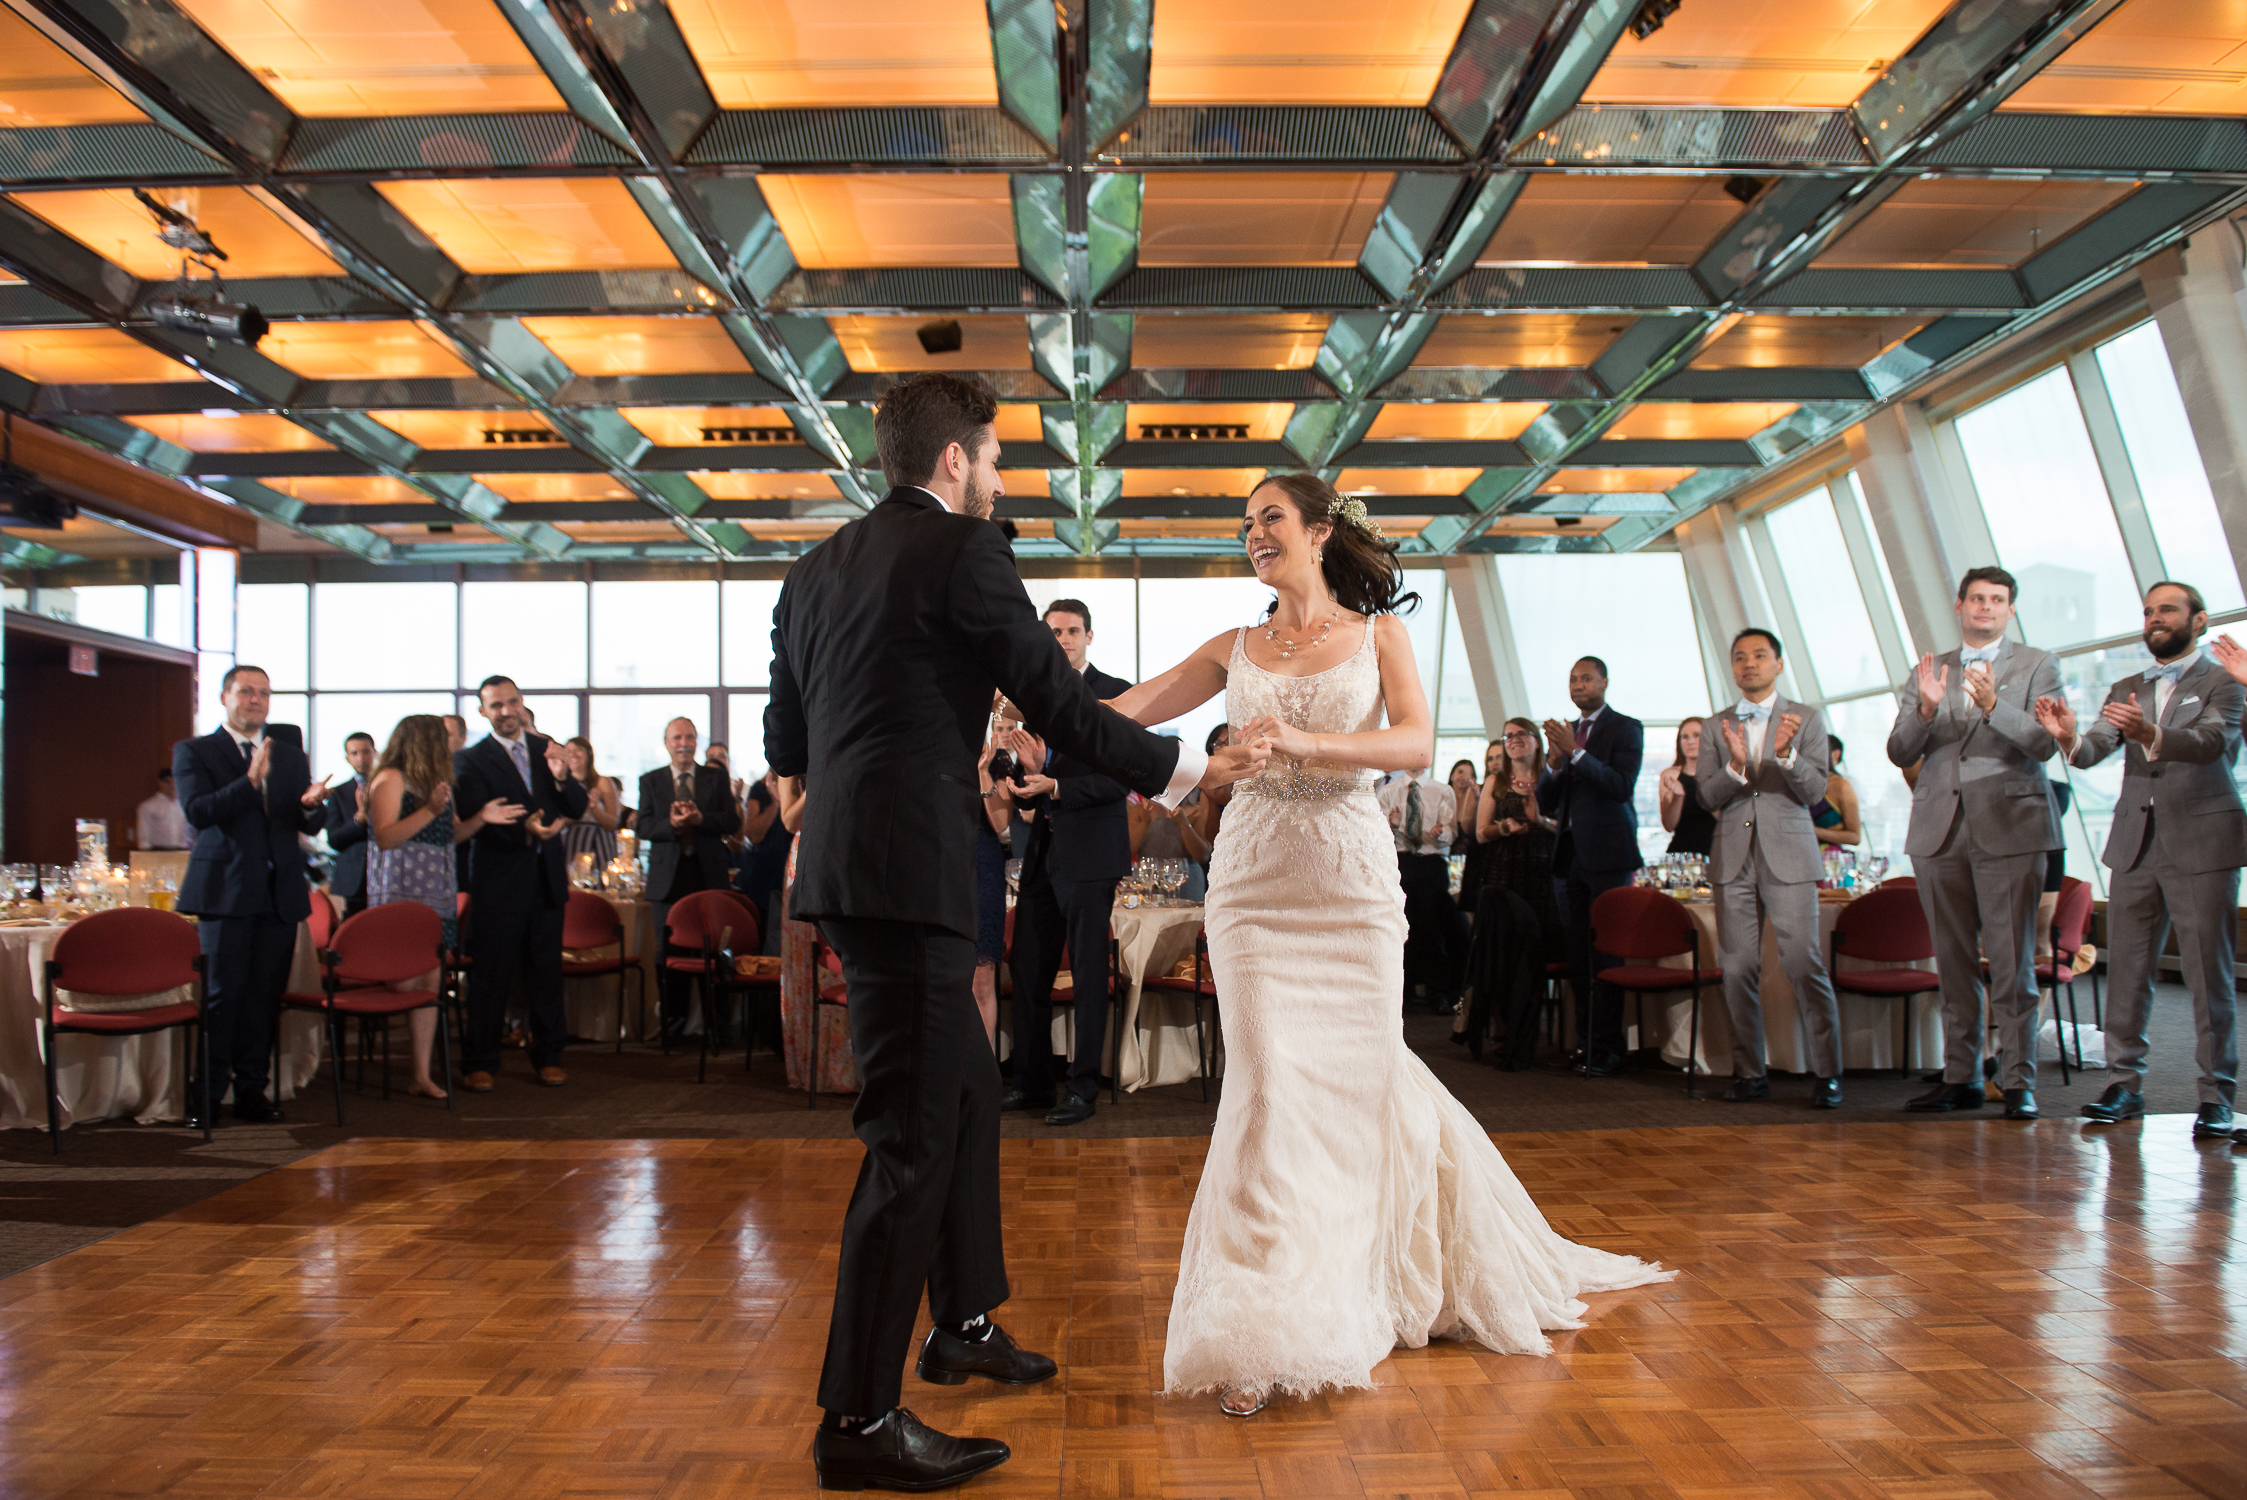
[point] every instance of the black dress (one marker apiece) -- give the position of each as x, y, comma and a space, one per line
1696, 826
1517, 929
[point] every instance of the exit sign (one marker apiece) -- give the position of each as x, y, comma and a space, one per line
84, 662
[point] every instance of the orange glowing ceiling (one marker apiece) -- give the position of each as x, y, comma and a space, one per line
40, 84
994, 341
1698, 419
1611, 481
1197, 526
1302, 51
1235, 341
1500, 421
1264, 421
1750, 53
502, 225
1258, 218
400, 57
349, 489
768, 54
555, 486
1519, 341
1025, 481
461, 429
249, 432
1404, 481
1192, 482
1019, 423
2185, 57
1647, 220
729, 486
640, 346
385, 350
114, 224
894, 218
683, 426
1776, 340
69, 356
1952, 221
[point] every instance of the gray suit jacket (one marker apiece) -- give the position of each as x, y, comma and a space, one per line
2187, 796
1991, 771
1772, 806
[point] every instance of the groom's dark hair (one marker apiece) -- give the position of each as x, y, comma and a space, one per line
926, 413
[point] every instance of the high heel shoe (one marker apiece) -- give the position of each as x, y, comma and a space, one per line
1457, 1038
1242, 1403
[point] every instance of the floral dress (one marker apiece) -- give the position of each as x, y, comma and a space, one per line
420, 869
838, 1066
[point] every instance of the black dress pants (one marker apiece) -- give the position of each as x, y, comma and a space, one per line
1508, 973
246, 967
1437, 932
1599, 1007
925, 1212
501, 945
1077, 912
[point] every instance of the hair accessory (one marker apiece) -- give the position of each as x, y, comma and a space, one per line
1352, 510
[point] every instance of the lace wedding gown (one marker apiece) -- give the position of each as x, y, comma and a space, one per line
1349, 1205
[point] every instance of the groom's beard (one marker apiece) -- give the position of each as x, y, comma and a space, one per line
977, 501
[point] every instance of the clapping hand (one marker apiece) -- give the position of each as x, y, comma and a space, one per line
1560, 742
542, 828
1735, 741
1932, 686
2231, 656
2056, 719
361, 810
556, 767
316, 791
261, 761
1790, 725
499, 812
685, 814
2130, 719
1981, 686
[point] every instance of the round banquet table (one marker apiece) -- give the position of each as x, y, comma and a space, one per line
106, 1078
589, 1004
1158, 1027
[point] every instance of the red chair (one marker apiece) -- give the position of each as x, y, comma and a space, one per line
130, 951
1638, 922
380, 947
589, 922
713, 926
1201, 988
1885, 925
454, 980
2071, 922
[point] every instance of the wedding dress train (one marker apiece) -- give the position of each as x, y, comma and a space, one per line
1349, 1205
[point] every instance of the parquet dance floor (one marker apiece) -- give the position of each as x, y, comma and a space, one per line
1954, 1308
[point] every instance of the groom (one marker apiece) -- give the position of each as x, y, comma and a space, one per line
888, 641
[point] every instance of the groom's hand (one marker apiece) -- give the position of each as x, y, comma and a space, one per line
1231, 763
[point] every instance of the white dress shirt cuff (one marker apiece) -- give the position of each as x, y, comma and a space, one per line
1191, 764
1579, 755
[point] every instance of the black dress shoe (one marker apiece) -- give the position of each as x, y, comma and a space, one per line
1074, 1109
1944, 1098
949, 1359
2120, 1102
1746, 1091
2212, 1123
1016, 1101
256, 1111
901, 1454
1826, 1094
2020, 1104
1603, 1065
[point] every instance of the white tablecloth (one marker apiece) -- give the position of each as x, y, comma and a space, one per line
1158, 1028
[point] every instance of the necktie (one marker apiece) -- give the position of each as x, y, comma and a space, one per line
1583, 731
522, 759
1412, 816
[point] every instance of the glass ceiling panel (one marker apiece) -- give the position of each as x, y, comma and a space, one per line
640, 346
1302, 51
993, 341
1499, 420
1405, 481
1772, 340
117, 226
1245, 341
502, 225
2185, 57
1698, 419
386, 349
730, 486
767, 54
1264, 421
894, 218
40, 84
1519, 341
1745, 53
63, 356
400, 57
1258, 218
1611, 220
250, 432
1955, 221
458, 429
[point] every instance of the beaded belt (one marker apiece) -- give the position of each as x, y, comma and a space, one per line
1296, 784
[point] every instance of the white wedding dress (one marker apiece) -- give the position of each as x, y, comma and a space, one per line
1349, 1205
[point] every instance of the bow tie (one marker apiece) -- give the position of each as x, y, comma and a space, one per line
1969, 655
2170, 673
1754, 711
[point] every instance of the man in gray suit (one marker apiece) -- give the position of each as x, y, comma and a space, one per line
2178, 841
1759, 773
1982, 822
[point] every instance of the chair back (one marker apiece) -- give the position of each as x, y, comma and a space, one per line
385, 944
752, 938
1886, 925
1636, 921
708, 915
321, 920
588, 922
1901, 882
2072, 917
133, 950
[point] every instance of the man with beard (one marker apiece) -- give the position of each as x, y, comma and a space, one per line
2179, 839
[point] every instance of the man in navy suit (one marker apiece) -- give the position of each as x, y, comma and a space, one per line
347, 829
248, 793
1591, 776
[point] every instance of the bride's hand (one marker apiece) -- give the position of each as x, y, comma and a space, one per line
1284, 738
1235, 762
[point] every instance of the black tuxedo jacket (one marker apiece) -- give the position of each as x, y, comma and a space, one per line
1083, 831
888, 641
1590, 800
721, 816
245, 861
347, 836
508, 870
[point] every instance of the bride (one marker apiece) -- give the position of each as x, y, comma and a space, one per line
1349, 1205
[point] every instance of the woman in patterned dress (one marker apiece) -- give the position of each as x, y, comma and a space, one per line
799, 941
409, 816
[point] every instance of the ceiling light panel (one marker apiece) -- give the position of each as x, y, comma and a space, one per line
1748, 53
40, 84
1026, 481
251, 432
401, 57
389, 349
1775, 340
1612, 220
1611, 481
1960, 221
768, 54
1467, 421
1235, 482
2150, 57
555, 486
70, 356
1246, 341
1302, 51
729, 486
697, 426
1258, 218
349, 489
1404, 481
1698, 419
1262, 422
464, 429
1519, 341
115, 225
894, 218
503, 225
640, 346
995, 341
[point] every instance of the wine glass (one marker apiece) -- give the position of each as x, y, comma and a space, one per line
1173, 876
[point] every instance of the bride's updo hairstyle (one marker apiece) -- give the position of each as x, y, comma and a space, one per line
1359, 563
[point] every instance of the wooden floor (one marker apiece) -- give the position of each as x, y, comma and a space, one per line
1950, 1308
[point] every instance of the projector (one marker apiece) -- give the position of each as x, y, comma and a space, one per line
207, 317
25, 499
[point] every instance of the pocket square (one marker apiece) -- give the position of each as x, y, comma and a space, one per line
2193, 699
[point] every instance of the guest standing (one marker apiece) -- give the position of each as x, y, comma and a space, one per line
347, 824
2175, 851
1466, 796
1518, 929
518, 886
1762, 765
766, 842
1421, 817
1835, 814
991, 837
594, 833
246, 790
686, 811
157, 822
1981, 826
1588, 790
1692, 827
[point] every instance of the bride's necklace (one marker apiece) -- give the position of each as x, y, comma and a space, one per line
1288, 647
